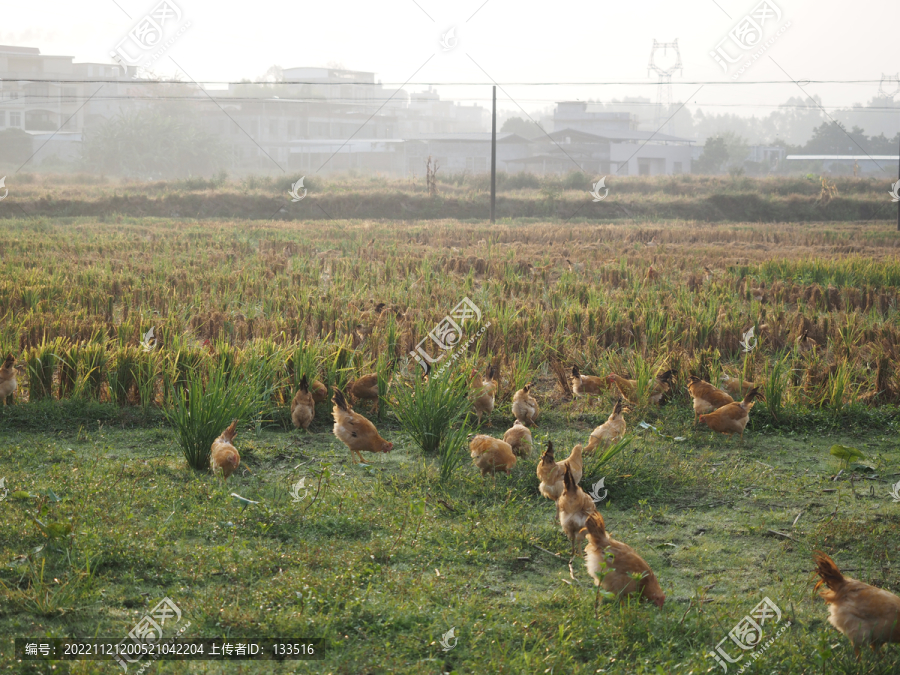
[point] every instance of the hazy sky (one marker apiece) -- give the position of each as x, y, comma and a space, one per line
510, 41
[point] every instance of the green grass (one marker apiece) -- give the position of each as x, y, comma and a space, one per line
381, 561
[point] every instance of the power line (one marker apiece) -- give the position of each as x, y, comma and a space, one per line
372, 101
643, 83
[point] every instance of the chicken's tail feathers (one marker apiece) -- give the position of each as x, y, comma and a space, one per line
752, 394
828, 571
304, 385
595, 526
620, 406
575, 372
230, 432
666, 376
10, 360
340, 401
569, 481
547, 457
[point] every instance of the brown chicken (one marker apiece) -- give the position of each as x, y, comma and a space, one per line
519, 438
612, 430
524, 406
354, 430
735, 387
550, 472
491, 455
223, 455
8, 384
628, 388
574, 506
485, 390
623, 564
585, 384
652, 274
865, 614
731, 418
365, 388
319, 391
707, 398
806, 343
303, 408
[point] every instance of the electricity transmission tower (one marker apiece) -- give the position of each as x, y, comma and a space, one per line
664, 86
889, 80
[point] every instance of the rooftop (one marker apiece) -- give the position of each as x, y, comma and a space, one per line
885, 158
621, 135
7, 49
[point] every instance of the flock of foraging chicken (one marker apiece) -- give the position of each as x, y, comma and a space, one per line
865, 614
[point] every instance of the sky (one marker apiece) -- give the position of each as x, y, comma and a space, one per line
499, 41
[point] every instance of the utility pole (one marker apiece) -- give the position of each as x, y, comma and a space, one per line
898, 180
494, 156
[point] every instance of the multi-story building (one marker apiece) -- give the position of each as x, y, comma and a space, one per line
53, 99
323, 120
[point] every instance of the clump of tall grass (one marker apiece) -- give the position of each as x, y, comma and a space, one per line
93, 360
146, 375
839, 388
776, 376
301, 361
454, 450
123, 373
596, 460
40, 365
523, 368
204, 401
434, 415
383, 371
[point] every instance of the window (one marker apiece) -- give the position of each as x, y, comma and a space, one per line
68, 94
273, 127
643, 167
470, 163
676, 167
480, 164
2, 118
15, 119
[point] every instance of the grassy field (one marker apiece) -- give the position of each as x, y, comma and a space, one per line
381, 561
685, 197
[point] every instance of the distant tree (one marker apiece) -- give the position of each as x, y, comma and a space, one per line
525, 128
273, 74
15, 146
882, 145
737, 150
153, 143
831, 138
715, 154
